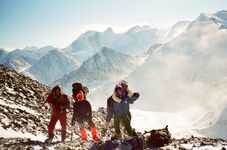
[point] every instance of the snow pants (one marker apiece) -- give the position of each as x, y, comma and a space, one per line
89, 121
126, 121
62, 118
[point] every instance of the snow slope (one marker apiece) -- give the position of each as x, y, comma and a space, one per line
21, 59
53, 66
134, 41
106, 65
219, 18
173, 32
182, 70
187, 73
22, 105
2, 53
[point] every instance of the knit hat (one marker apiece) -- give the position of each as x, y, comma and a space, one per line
76, 87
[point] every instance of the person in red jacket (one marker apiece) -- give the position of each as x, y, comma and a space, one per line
83, 112
59, 102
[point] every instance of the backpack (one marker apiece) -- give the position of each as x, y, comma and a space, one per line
136, 143
76, 87
115, 145
157, 138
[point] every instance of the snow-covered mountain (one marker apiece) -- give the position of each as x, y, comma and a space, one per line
53, 66
219, 18
174, 31
3, 52
185, 73
180, 71
134, 41
21, 59
106, 65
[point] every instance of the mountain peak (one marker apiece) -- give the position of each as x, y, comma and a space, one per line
48, 47
222, 11
87, 34
135, 28
31, 48
146, 27
203, 17
139, 28
109, 30
222, 15
2, 50
105, 49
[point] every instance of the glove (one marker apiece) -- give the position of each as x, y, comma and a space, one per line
135, 96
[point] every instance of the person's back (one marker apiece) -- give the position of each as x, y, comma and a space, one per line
82, 110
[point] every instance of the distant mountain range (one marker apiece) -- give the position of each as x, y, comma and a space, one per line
40, 65
105, 66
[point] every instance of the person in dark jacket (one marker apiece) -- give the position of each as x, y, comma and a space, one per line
59, 102
83, 112
118, 106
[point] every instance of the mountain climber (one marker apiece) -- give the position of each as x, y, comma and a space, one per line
124, 85
82, 111
118, 106
59, 102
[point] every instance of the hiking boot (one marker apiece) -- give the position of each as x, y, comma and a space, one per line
94, 134
49, 139
83, 134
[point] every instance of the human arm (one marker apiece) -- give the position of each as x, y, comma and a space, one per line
49, 98
134, 97
110, 110
75, 112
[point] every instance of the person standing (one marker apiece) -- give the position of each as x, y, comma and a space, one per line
118, 106
59, 102
83, 111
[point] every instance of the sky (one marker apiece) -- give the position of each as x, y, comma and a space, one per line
59, 22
